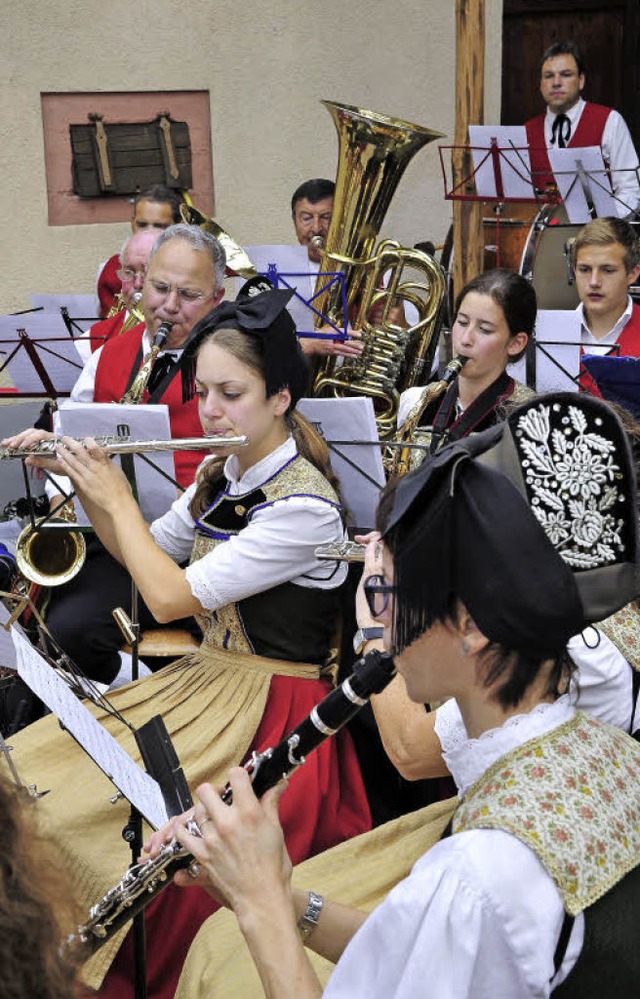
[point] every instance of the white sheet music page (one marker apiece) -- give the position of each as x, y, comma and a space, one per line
80, 308
155, 492
514, 161
55, 348
557, 346
564, 163
358, 467
7, 648
298, 272
134, 783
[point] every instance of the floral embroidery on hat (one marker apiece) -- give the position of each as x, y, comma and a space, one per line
571, 472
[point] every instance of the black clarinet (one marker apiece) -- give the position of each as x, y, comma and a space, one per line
142, 882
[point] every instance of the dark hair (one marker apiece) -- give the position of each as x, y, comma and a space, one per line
34, 905
564, 48
513, 293
311, 445
314, 191
515, 669
163, 196
605, 232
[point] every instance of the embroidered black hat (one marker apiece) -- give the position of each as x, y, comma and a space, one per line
264, 316
531, 524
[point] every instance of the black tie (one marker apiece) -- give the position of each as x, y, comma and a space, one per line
561, 131
159, 370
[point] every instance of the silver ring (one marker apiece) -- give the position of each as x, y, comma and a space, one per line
202, 824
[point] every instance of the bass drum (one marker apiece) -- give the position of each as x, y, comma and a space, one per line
505, 234
545, 259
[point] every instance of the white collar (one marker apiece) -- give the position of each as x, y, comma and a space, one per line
612, 336
146, 346
469, 760
573, 114
263, 470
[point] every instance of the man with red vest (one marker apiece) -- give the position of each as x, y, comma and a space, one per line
570, 121
184, 282
606, 261
132, 269
154, 210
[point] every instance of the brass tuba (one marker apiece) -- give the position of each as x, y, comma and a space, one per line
373, 153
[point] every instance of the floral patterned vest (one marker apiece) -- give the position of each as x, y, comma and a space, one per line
573, 797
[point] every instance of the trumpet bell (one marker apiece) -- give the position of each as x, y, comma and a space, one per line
50, 557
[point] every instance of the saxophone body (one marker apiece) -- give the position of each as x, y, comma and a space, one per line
134, 394
404, 459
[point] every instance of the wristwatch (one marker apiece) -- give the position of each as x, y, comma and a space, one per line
364, 635
309, 920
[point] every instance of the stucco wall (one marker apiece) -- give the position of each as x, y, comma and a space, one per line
266, 66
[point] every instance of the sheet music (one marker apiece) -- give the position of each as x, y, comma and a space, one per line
55, 348
515, 163
351, 419
136, 785
155, 493
564, 163
557, 344
81, 308
290, 260
7, 649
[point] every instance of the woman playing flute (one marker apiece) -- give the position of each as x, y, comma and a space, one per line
266, 605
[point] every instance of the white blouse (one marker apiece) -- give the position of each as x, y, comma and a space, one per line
277, 545
478, 916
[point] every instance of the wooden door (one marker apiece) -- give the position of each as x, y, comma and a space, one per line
607, 32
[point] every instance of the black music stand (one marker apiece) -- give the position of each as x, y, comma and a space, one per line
155, 795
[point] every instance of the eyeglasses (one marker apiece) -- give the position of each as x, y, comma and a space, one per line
377, 592
129, 274
306, 218
187, 296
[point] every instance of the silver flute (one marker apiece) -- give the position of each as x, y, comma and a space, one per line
125, 445
341, 551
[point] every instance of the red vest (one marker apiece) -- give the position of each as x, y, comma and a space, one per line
588, 133
629, 346
109, 284
112, 375
103, 330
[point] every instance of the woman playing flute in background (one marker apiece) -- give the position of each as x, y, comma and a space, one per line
266, 605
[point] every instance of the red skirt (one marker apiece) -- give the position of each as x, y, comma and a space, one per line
324, 804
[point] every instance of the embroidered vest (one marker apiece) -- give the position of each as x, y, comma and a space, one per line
112, 375
105, 329
587, 133
290, 622
629, 346
573, 797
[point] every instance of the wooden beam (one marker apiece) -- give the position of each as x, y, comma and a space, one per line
468, 241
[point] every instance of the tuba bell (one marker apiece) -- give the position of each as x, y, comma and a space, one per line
374, 151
